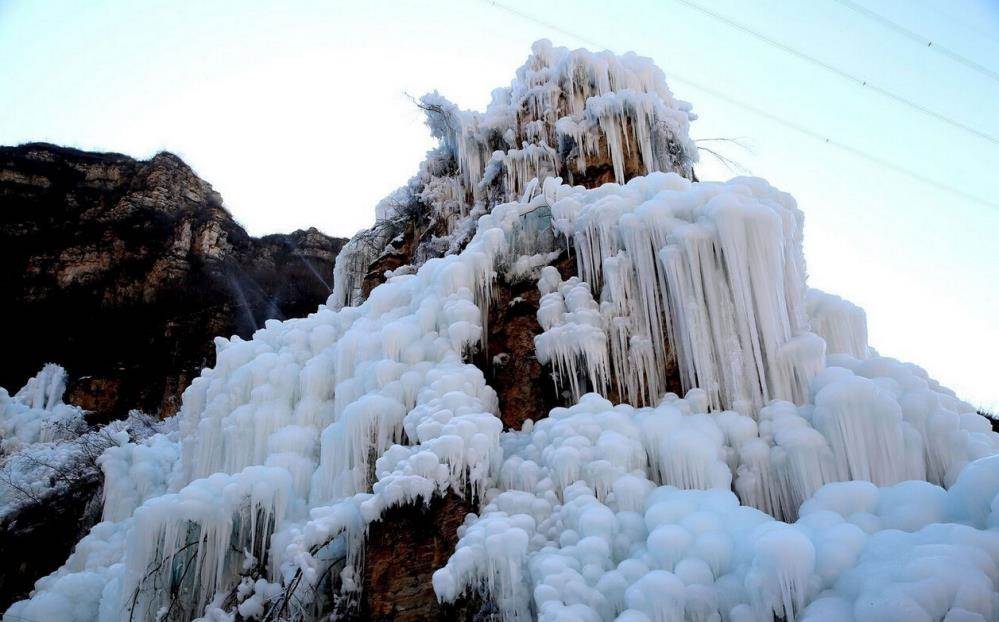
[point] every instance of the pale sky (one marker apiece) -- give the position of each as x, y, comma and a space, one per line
296, 111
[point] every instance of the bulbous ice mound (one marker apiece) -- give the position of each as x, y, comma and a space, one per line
658, 508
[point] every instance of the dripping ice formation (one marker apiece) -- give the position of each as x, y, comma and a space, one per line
582, 116
708, 278
35, 430
841, 323
47, 447
613, 512
801, 475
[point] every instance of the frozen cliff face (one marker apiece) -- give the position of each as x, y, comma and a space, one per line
569, 113
705, 278
589, 118
792, 480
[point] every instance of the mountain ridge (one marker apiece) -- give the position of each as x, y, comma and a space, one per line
103, 232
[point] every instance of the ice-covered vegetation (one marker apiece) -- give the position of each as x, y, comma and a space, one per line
46, 447
802, 476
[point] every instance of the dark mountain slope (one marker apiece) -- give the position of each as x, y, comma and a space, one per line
123, 271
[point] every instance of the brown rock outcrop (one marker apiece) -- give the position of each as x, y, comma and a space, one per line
402, 551
510, 364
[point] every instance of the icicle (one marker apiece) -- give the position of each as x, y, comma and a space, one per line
841, 323
44, 390
708, 277
573, 339
864, 428
190, 544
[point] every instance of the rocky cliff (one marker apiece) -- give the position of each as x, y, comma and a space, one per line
123, 271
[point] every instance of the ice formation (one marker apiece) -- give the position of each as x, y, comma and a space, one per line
36, 413
563, 110
38, 435
705, 277
800, 477
842, 324
47, 445
596, 499
568, 113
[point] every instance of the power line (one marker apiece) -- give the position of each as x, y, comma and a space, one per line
835, 70
963, 24
918, 38
765, 114
847, 148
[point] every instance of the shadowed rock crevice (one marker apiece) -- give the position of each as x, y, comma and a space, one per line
39, 537
509, 362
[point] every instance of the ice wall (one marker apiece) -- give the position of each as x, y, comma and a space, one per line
841, 323
704, 280
606, 512
300, 437
735, 502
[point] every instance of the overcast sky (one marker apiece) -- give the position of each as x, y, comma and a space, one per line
297, 112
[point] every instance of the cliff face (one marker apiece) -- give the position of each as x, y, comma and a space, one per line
123, 271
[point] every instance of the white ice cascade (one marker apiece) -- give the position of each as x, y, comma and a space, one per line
571, 107
704, 278
606, 512
297, 439
37, 439
36, 413
658, 508
572, 114
840, 322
